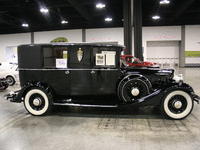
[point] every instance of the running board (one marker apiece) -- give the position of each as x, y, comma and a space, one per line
83, 105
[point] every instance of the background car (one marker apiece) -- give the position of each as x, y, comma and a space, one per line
10, 72
135, 62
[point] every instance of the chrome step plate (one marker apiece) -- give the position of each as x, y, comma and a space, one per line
83, 105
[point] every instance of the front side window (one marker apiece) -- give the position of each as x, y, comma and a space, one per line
104, 57
55, 57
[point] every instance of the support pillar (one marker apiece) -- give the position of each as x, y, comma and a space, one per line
32, 37
83, 35
182, 48
128, 23
137, 21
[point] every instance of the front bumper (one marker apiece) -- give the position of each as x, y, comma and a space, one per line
195, 97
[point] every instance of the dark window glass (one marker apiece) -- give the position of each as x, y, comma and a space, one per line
55, 57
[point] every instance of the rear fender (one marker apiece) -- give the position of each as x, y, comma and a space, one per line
22, 93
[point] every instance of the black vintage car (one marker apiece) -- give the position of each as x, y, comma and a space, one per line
92, 75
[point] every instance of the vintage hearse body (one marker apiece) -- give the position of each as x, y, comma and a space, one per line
81, 74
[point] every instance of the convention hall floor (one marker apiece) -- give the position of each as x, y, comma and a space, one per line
99, 128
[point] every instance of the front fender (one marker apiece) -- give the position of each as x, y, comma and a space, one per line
155, 98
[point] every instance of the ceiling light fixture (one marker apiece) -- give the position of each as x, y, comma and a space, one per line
24, 25
100, 6
156, 17
44, 10
108, 19
64, 22
164, 2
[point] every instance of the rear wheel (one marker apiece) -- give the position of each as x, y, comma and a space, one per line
38, 102
177, 104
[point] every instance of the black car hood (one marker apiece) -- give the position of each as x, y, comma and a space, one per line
148, 71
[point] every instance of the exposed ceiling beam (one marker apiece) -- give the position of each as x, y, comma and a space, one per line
182, 7
76, 4
5, 21
155, 7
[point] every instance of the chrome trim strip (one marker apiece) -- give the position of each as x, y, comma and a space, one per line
66, 69
83, 105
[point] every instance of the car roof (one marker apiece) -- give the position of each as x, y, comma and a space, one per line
75, 44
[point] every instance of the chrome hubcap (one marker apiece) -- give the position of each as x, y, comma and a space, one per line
178, 104
37, 102
135, 92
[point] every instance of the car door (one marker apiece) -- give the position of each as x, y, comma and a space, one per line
55, 71
105, 72
80, 72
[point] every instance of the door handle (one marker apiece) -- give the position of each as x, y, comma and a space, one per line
67, 72
92, 72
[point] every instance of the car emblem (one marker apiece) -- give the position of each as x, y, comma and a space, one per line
80, 55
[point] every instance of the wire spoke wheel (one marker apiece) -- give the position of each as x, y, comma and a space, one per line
133, 89
37, 101
137, 87
177, 104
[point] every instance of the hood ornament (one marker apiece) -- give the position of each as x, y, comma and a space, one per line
80, 55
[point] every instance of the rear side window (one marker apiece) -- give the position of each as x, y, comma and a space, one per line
55, 57
104, 57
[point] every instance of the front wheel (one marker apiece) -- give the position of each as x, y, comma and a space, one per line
177, 104
38, 102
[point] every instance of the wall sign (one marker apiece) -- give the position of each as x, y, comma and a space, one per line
110, 57
59, 40
100, 59
192, 53
61, 63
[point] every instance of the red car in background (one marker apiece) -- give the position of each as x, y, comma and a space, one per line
135, 62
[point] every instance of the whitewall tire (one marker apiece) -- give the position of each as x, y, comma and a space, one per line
177, 104
37, 102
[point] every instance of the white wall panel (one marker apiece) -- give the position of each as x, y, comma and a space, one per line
105, 35
167, 33
163, 51
192, 42
192, 60
48, 36
192, 34
12, 40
